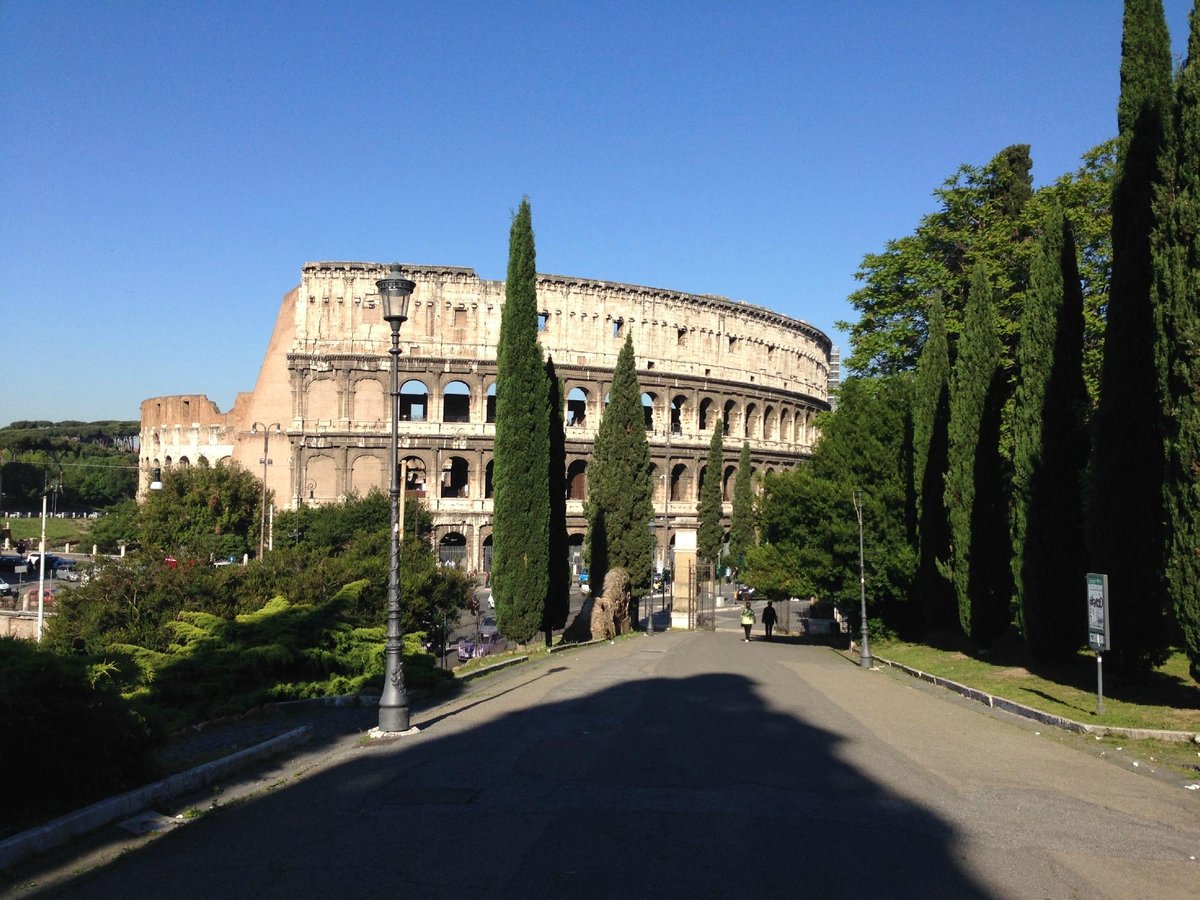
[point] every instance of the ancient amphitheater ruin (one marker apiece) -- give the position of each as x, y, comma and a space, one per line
320, 405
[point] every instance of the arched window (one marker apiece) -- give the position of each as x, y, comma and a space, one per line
491, 402
677, 406
648, 410
727, 483
414, 401
456, 402
705, 412
730, 415
750, 429
455, 475
576, 407
452, 549
577, 480
415, 476
488, 484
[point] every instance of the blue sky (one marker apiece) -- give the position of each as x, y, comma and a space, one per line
168, 167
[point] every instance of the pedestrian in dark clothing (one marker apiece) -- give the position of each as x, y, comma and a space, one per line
769, 618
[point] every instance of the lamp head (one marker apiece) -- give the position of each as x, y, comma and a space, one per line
394, 292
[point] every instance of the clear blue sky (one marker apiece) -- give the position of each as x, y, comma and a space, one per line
167, 167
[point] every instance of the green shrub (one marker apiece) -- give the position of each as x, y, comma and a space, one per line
68, 738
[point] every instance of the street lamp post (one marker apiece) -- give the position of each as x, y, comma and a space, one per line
865, 660
262, 515
394, 292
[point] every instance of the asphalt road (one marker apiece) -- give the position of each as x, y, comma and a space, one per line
683, 765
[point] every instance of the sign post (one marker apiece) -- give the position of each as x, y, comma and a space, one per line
1098, 635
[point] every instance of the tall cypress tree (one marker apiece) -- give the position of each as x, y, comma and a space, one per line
618, 507
711, 531
521, 504
741, 523
1126, 534
931, 422
558, 596
1050, 451
1176, 244
975, 491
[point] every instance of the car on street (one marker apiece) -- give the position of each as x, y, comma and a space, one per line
7, 589
488, 641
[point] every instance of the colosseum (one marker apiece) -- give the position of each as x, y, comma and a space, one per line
316, 426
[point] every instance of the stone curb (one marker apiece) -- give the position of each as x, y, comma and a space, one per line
1028, 712
494, 667
59, 831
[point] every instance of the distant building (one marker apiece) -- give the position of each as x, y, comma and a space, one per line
324, 381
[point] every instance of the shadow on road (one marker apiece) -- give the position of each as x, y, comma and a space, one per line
646, 787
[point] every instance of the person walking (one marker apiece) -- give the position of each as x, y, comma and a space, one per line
747, 621
770, 617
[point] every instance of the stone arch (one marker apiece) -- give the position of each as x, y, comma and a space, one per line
727, 483
768, 424
677, 405
490, 402
489, 484
577, 401
575, 554
704, 421
184, 462
785, 426
322, 473
321, 399
416, 477
577, 480
487, 547
455, 477
648, 409
452, 549
370, 401
681, 482
366, 472
414, 401
456, 402
750, 421
729, 415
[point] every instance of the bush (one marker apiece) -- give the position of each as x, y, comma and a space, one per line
68, 738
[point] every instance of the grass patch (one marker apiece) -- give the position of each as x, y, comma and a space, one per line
58, 531
1169, 699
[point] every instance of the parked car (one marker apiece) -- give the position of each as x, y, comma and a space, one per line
7, 589
489, 641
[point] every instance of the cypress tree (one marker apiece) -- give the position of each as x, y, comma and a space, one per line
618, 507
1177, 265
975, 490
931, 421
741, 524
521, 504
711, 531
1050, 451
558, 597
1126, 535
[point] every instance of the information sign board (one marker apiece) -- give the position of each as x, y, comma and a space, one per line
1097, 610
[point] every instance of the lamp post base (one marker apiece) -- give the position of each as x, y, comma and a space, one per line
377, 733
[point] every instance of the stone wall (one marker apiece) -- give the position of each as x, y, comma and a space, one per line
324, 383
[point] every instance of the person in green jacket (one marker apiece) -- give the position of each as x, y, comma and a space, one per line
747, 621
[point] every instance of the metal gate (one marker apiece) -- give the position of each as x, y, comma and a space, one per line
702, 600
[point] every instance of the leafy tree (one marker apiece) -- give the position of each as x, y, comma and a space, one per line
558, 598
521, 517
1126, 535
1176, 247
809, 531
982, 219
741, 528
976, 494
712, 532
618, 507
1050, 452
931, 423
202, 511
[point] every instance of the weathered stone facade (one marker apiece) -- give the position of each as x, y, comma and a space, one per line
324, 382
